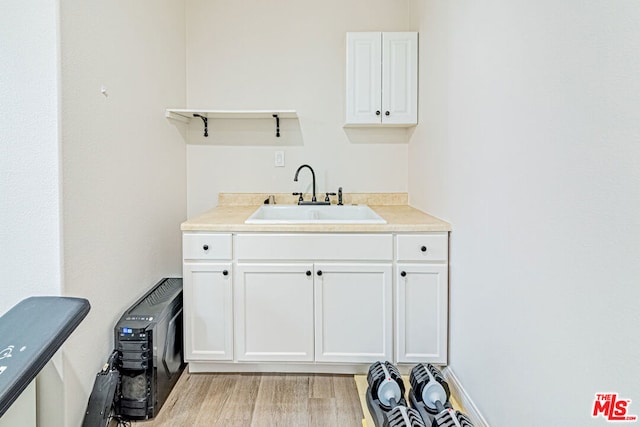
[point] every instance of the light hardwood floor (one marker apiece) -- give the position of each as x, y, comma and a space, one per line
286, 400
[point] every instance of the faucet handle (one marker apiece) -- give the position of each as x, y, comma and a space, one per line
340, 196
326, 199
300, 199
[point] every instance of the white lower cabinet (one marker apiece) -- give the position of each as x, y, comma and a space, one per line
208, 315
353, 312
421, 313
274, 312
285, 311
324, 302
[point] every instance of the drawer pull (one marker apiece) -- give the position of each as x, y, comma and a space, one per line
403, 273
319, 273
205, 247
423, 249
308, 273
225, 272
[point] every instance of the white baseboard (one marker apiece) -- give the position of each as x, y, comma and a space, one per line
468, 407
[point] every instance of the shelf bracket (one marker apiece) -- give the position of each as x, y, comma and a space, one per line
206, 123
275, 116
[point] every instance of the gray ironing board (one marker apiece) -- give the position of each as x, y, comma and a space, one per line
30, 334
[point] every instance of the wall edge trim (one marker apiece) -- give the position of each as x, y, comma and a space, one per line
469, 407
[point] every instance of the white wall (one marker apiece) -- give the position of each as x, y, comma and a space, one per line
124, 167
529, 143
30, 235
288, 55
29, 167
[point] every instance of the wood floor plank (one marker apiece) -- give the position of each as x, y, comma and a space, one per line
349, 409
322, 412
239, 405
361, 385
321, 386
282, 401
220, 389
260, 400
178, 411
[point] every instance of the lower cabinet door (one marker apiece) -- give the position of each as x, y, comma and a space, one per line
208, 316
353, 312
274, 312
422, 313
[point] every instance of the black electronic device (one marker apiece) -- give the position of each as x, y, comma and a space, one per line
148, 339
100, 406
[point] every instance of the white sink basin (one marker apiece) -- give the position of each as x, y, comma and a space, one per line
314, 214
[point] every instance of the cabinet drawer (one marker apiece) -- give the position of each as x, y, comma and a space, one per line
206, 246
422, 247
314, 247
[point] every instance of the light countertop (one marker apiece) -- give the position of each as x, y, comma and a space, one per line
232, 211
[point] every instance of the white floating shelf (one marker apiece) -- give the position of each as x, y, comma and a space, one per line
187, 114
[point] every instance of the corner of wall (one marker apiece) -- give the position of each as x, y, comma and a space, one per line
468, 406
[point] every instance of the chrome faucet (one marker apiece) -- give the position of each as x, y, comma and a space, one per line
313, 195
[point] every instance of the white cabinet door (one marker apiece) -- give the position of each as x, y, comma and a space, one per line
400, 78
382, 78
421, 310
364, 81
274, 312
353, 311
208, 316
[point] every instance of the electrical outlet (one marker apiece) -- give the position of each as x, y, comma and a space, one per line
278, 159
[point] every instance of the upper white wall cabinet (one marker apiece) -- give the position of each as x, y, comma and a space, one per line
382, 78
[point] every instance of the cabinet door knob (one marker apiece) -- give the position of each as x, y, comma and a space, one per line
377, 112
386, 113
403, 273
308, 273
225, 272
423, 249
319, 273
205, 247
